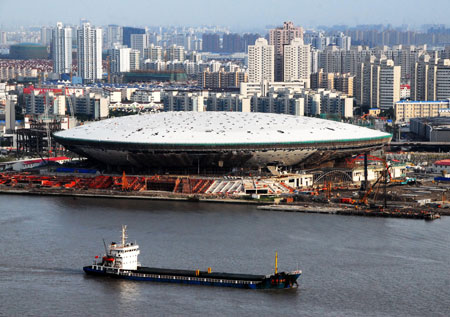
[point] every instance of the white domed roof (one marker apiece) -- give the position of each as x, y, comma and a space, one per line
218, 128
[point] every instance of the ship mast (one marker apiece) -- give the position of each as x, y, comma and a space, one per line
276, 262
106, 249
124, 235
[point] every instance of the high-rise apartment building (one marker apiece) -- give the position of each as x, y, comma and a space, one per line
89, 40
322, 80
175, 53
330, 59
314, 60
343, 42
195, 57
154, 53
119, 59
249, 39
408, 56
419, 77
335, 59
297, 62
333, 81
211, 42
222, 79
279, 38
320, 41
261, 61
446, 52
443, 79
351, 59
386, 84
378, 83
127, 32
10, 114
46, 35
3, 39
139, 42
232, 43
113, 35
344, 83
135, 60
430, 79
62, 49
364, 75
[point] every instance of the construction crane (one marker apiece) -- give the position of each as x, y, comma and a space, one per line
365, 199
402, 181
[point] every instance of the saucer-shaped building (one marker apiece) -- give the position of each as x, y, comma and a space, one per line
218, 140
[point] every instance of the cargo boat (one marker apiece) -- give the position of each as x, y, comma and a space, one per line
121, 261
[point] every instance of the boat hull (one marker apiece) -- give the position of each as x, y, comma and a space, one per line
276, 281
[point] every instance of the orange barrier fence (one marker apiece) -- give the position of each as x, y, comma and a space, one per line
124, 183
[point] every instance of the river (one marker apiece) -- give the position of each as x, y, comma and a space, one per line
352, 266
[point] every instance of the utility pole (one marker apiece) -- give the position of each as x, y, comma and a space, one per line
366, 182
385, 187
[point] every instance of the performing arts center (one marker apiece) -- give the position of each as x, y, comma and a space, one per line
218, 140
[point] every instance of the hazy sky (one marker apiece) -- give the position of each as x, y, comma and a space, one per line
238, 14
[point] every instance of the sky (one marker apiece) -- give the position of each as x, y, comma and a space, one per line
239, 15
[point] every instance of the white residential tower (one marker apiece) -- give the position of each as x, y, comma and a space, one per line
261, 61
297, 62
89, 42
62, 49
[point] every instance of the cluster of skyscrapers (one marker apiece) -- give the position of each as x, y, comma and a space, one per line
283, 58
430, 77
89, 51
319, 68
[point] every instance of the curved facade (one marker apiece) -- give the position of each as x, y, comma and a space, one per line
218, 139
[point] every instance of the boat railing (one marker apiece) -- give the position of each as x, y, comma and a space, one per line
185, 278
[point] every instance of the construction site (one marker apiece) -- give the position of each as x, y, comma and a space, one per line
390, 190
287, 172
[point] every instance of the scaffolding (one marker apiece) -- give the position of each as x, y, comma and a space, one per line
35, 140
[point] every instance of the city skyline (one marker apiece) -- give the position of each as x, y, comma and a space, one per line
234, 15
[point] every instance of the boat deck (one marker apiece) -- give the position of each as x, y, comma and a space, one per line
193, 273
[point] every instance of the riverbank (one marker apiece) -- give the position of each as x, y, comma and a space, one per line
143, 195
303, 207
355, 211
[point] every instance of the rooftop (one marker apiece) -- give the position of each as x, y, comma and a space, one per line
445, 162
219, 128
438, 123
424, 102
